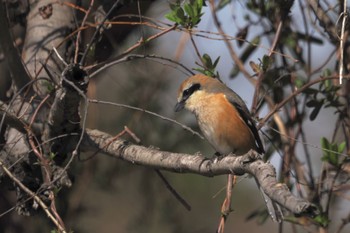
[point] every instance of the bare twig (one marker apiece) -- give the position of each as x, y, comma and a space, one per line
35, 197
96, 69
77, 41
94, 36
342, 42
232, 52
286, 100
148, 112
261, 73
226, 205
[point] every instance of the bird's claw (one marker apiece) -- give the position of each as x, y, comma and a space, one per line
250, 157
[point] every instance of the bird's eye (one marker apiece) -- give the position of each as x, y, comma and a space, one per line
189, 91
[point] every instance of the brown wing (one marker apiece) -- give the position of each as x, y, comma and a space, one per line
242, 109
238, 103
251, 124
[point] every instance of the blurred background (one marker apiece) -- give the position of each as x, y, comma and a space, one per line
110, 195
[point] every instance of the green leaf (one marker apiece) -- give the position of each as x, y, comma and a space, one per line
299, 83
341, 147
176, 15
310, 91
312, 103
328, 83
180, 14
322, 220
222, 4
207, 61
174, 6
291, 41
234, 72
200, 3
331, 151
199, 6
216, 62
189, 10
266, 62
327, 72
315, 112
171, 16
197, 10
187, 16
324, 143
250, 49
52, 155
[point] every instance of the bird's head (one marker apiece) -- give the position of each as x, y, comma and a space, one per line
193, 90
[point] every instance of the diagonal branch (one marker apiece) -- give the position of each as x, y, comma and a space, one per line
250, 163
324, 19
34, 196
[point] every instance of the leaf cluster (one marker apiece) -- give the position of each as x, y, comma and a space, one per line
209, 67
331, 151
189, 15
325, 96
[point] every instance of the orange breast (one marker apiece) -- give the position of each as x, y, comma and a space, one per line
223, 127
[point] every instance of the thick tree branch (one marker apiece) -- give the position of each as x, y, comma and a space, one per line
64, 117
184, 163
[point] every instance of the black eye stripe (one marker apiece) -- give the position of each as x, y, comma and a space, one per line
189, 91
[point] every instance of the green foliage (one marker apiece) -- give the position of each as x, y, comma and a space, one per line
52, 155
325, 96
187, 16
49, 85
263, 66
273, 9
266, 62
322, 220
331, 151
209, 68
299, 82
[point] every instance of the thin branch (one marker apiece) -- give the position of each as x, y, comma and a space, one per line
96, 69
226, 205
325, 20
342, 42
32, 194
87, 13
261, 73
148, 112
94, 36
10, 119
232, 52
286, 100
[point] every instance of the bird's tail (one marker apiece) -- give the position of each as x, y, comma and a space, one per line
273, 208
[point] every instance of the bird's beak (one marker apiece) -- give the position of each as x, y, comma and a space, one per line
179, 106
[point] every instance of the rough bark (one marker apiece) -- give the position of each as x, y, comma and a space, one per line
48, 24
264, 173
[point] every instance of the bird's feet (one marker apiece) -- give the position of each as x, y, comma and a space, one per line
249, 157
217, 157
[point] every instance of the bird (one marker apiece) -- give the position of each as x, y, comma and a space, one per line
224, 120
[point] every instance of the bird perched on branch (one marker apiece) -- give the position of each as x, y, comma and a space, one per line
224, 119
